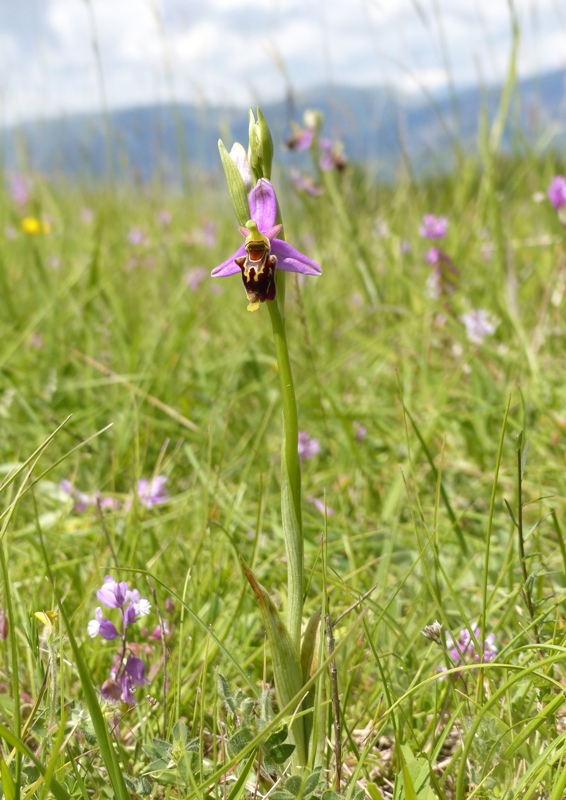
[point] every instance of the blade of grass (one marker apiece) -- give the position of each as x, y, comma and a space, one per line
54, 787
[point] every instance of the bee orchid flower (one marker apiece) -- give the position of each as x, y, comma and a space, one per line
262, 252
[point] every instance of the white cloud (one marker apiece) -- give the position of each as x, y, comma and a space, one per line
246, 8
244, 50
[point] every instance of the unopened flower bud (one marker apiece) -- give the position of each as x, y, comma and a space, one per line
260, 150
312, 118
240, 159
254, 149
236, 184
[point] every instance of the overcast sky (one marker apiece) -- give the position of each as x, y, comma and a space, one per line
59, 56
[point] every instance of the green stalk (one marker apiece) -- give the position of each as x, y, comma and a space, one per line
290, 470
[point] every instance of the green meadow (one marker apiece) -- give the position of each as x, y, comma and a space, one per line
434, 387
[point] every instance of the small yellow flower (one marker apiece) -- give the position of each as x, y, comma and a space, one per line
48, 619
34, 226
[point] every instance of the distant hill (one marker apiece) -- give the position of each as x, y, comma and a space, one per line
378, 127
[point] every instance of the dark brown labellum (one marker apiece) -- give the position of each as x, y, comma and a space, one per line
258, 272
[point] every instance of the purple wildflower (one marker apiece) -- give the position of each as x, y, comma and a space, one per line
262, 252
433, 227
321, 506
136, 670
152, 492
360, 431
209, 233
84, 500
100, 626
164, 217
105, 503
304, 183
132, 675
195, 277
557, 192
479, 324
465, 651
308, 446
130, 615
128, 671
433, 256
114, 594
140, 605
125, 676
19, 188
87, 215
66, 486
136, 236
111, 690
156, 632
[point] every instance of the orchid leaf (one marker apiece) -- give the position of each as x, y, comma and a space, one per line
307, 655
8, 785
286, 663
309, 643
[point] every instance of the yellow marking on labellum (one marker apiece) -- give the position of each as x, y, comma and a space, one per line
255, 238
253, 306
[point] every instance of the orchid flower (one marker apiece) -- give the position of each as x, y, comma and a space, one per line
332, 155
262, 253
301, 138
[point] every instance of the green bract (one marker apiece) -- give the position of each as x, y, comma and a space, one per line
236, 185
265, 143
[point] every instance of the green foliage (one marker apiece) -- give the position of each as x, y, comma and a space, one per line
177, 762
248, 717
113, 334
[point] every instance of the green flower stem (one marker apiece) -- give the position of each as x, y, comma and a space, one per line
290, 471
